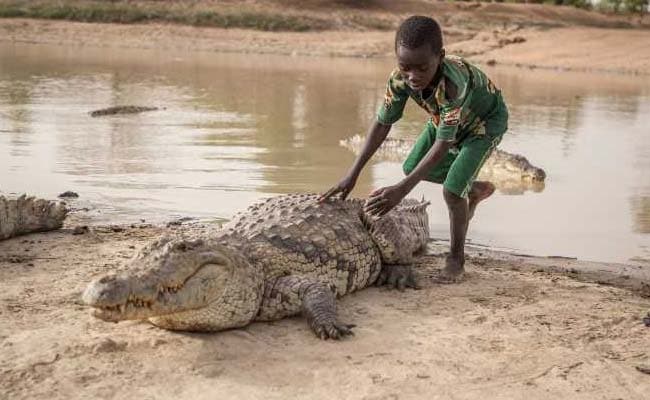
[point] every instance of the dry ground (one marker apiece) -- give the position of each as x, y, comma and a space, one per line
511, 330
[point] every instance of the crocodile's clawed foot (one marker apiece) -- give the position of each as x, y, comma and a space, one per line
397, 276
332, 330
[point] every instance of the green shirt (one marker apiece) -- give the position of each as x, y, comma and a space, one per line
476, 108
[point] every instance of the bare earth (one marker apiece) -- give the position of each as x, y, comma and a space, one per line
513, 329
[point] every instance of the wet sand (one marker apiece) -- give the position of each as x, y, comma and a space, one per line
517, 327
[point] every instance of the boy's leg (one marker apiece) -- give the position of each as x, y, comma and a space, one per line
462, 194
420, 149
480, 191
458, 221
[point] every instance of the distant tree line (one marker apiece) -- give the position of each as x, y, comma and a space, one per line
616, 6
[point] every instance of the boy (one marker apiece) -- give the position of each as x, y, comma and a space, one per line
467, 120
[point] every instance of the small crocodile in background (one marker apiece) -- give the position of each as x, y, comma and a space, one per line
510, 173
20, 215
286, 255
121, 110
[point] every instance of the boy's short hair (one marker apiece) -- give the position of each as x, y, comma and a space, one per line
417, 30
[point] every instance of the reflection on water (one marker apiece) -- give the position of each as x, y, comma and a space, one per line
641, 211
239, 127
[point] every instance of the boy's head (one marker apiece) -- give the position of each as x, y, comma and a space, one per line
418, 46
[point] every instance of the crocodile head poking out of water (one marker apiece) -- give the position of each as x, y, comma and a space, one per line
502, 163
180, 283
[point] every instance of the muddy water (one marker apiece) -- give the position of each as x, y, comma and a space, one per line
236, 128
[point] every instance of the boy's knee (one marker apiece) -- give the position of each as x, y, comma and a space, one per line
451, 198
433, 177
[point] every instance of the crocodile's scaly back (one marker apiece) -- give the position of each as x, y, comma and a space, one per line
295, 234
401, 233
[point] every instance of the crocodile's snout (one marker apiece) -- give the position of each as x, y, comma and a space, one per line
535, 174
106, 291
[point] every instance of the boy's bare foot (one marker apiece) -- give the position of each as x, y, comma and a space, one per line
453, 272
480, 191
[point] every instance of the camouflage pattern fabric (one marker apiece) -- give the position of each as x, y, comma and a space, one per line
477, 107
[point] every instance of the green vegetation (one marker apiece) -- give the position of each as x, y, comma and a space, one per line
616, 6
197, 13
629, 6
121, 12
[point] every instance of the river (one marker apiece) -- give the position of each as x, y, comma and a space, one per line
239, 127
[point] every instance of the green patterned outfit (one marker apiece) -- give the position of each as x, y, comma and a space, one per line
475, 120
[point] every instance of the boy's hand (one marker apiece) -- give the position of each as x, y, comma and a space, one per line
343, 188
384, 199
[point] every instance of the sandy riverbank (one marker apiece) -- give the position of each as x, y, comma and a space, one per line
526, 35
518, 327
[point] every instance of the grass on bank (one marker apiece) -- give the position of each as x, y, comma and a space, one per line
116, 12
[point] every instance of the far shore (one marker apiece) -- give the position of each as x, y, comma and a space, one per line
566, 48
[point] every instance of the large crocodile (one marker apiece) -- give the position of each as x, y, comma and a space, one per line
286, 255
510, 173
20, 215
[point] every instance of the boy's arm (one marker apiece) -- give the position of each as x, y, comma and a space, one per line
390, 111
434, 155
383, 200
376, 136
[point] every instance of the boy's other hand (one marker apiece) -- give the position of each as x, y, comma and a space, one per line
383, 200
343, 188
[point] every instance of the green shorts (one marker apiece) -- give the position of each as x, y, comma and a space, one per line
459, 167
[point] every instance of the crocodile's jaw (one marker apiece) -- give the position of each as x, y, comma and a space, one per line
119, 298
180, 284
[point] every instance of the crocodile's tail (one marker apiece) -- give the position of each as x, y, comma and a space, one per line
392, 149
401, 233
23, 214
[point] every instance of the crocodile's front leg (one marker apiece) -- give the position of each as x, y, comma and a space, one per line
290, 295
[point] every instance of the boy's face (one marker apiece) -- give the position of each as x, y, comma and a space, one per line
419, 65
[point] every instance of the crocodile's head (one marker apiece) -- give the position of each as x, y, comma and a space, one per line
533, 174
508, 165
179, 283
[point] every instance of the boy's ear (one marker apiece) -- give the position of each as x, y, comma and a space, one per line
442, 53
